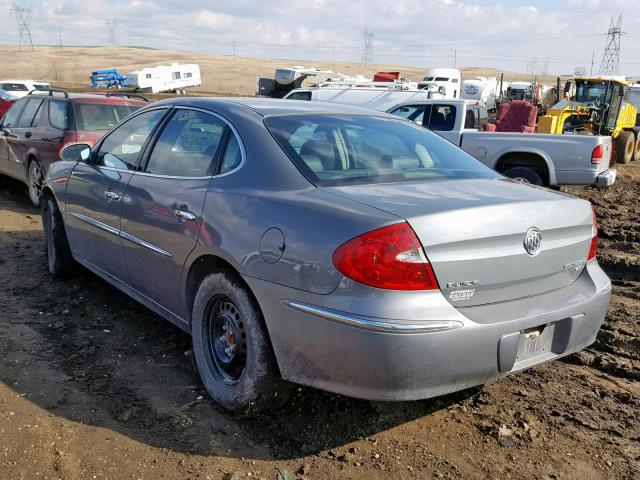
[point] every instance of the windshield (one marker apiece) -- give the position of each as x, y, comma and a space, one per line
348, 149
41, 86
587, 92
93, 117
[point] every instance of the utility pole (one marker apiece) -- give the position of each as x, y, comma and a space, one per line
60, 39
234, 50
112, 40
368, 59
23, 19
611, 57
333, 56
455, 58
593, 57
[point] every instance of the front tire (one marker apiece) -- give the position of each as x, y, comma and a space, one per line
231, 347
60, 262
35, 179
525, 175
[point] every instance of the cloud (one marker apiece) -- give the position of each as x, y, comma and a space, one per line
502, 34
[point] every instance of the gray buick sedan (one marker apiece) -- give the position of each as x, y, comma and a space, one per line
326, 245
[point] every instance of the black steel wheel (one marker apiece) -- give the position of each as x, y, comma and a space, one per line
227, 342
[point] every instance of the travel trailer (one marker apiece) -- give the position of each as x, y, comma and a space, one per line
444, 83
165, 78
288, 79
482, 89
370, 97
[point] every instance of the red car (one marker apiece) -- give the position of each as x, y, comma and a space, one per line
39, 125
6, 101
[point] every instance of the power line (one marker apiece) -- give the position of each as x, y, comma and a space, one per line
611, 57
368, 59
112, 39
23, 18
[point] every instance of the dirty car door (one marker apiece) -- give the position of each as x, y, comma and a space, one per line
95, 193
9, 122
163, 205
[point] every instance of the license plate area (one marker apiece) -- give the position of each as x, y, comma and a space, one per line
534, 342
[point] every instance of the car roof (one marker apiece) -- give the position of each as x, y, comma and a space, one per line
272, 106
24, 81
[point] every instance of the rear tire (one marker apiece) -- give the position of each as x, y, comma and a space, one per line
35, 180
636, 154
231, 347
525, 175
60, 262
625, 147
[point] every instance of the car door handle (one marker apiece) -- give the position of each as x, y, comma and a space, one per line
112, 195
185, 215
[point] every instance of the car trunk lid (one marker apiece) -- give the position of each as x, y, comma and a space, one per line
473, 233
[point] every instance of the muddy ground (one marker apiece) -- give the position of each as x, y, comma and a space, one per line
93, 385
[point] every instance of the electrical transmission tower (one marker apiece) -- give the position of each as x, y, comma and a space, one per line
23, 18
368, 59
611, 58
112, 39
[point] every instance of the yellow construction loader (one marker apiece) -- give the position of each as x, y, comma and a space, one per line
599, 107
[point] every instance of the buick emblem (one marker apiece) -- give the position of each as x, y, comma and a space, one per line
532, 241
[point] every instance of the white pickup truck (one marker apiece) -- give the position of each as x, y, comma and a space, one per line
541, 159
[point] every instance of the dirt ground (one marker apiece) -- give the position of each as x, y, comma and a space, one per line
222, 75
94, 386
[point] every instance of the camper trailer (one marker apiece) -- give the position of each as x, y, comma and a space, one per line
482, 89
442, 83
165, 78
288, 79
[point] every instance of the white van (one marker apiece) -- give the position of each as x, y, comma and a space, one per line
20, 88
442, 83
368, 97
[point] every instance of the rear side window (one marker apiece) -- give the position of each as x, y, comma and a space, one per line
31, 114
95, 117
359, 149
440, 118
187, 145
415, 113
232, 155
11, 117
300, 96
14, 87
122, 147
59, 115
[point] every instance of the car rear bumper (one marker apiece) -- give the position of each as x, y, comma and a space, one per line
607, 178
436, 349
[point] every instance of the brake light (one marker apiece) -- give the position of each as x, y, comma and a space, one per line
69, 138
594, 239
598, 154
389, 257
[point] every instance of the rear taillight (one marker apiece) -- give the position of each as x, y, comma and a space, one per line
593, 248
598, 154
389, 257
69, 138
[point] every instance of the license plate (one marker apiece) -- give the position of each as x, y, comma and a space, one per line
534, 342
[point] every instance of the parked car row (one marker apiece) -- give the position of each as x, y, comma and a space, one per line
321, 244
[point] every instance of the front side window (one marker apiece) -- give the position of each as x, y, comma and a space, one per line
59, 115
122, 147
187, 145
11, 117
440, 118
358, 149
95, 117
31, 114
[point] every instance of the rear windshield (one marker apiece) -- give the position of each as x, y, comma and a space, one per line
93, 117
5, 96
358, 149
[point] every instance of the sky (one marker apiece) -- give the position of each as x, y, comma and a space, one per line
515, 35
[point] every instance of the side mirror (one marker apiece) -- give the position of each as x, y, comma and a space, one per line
76, 152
